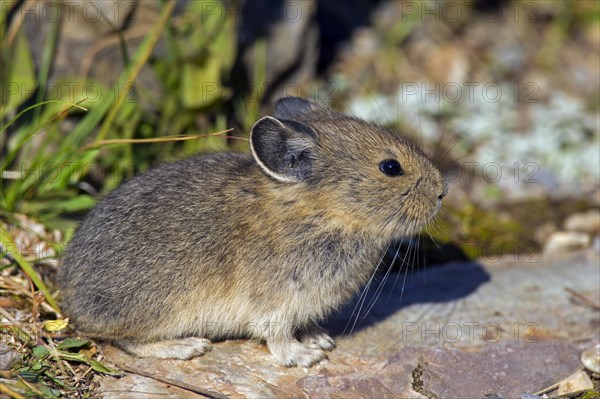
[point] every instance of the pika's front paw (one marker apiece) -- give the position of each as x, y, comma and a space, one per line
184, 349
297, 353
320, 339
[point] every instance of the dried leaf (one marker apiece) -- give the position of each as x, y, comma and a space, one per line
78, 357
55, 325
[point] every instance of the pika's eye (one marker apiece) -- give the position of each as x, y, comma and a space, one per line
391, 167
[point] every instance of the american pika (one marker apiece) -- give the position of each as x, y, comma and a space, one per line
262, 246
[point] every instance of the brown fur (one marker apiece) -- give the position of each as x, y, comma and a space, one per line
263, 245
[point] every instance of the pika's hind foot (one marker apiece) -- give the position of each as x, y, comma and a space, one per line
184, 349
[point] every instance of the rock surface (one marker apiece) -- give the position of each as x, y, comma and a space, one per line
502, 327
7, 356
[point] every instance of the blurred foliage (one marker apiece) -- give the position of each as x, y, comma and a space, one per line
47, 173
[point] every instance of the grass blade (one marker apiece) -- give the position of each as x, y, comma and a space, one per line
13, 120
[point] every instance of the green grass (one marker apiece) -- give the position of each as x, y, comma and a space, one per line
46, 165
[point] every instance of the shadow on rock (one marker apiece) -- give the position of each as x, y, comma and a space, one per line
387, 295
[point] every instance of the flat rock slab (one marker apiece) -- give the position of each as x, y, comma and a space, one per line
505, 326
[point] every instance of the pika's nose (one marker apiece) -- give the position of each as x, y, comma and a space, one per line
444, 191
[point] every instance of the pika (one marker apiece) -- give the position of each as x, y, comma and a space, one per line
261, 246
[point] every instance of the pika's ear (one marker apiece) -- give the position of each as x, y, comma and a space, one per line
293, 108
284, 150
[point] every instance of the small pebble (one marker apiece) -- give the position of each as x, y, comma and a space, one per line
579, 381
584, 222
562, 241
7, 356
591, 359
530, 396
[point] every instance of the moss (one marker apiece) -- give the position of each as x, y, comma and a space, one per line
505, 229
484, 232
591, 394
